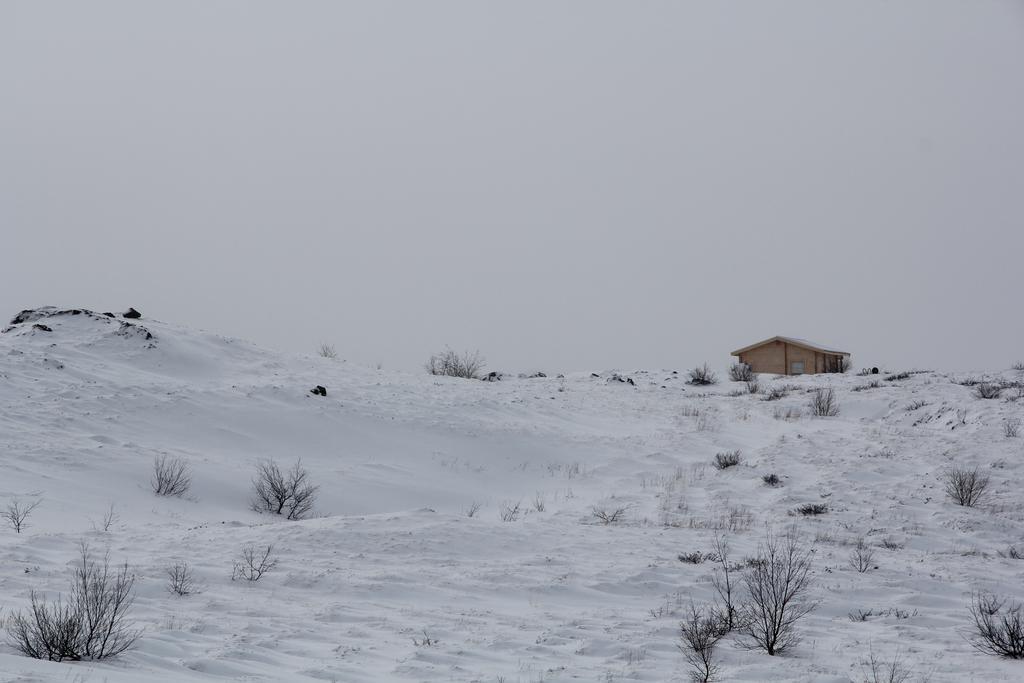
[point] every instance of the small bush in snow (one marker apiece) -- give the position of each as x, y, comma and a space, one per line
425, 641
726, 585
180, 580
824, 403
727, 460
449, 363
92, 623
787, 413
699, 633
741, 372
998, 627
812, 509
1012, 553
777, 582
987, 390
510, 511
253, 563
862, 557
283, 493
965, 486
474, 507
860, 615
695, 557
753, 387
1011, 428
109, 519
771, 479
17, 512
607, 515
877, 670
774, 394
890, 543
702, 376
327, 351
171, 476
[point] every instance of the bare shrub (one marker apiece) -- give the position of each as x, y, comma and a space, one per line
474, 507
109, 519
741, 372
171, 476
699, 633
877, 670
777, 583
988, 390
327, 351
890, 543
1012, 553
753, 387
812, 509
180, 580
774, 394
425, 641
696, 557
91, 624
860, 615
608, 515
824, 403
17, 512
253, 563
727, 460
510, 511
771, 480
726, 585
845, 364
283, 493
862, 557
702, 376
787, 413
998, 627
865, 614
706, 422
449, 363
965, 486
538, 502
1011, 428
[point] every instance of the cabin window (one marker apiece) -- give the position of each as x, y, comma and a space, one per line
796, 367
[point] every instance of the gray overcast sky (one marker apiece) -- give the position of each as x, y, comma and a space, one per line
563, 185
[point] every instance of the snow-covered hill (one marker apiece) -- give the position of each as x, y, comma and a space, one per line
392, 557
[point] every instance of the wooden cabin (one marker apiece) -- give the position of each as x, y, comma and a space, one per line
792, 356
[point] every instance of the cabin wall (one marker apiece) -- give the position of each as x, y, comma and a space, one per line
769, 358
798, 354
776, 358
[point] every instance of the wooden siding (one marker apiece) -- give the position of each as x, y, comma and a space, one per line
770, 357
777, 358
